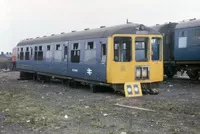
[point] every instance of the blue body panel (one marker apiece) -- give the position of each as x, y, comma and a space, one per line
190, 51
93, 69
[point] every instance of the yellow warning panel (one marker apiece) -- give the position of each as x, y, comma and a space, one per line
132, 89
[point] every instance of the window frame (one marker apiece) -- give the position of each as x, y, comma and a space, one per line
160, 48
76, 50
87, 47
146, 50
48, 47
58, 47
121, 50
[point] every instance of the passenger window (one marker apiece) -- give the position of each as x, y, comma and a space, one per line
183, 34
58, 47
27, 54
40, 48
65, 52
197, 33
103, 52
90, 45
75, 53
18, 57
90, 53
122, 49
156, 49
75, 46
141, 49
21, 55
31, 51
38, 54
48, 47
35, 55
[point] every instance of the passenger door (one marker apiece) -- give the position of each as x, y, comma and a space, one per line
65, 56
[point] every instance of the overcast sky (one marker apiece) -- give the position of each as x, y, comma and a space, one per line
21, 19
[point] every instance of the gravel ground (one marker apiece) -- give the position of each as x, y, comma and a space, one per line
34, 107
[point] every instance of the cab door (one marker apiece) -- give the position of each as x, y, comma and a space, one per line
119, 61
156, 59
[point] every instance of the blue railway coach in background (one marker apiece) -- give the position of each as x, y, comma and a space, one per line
181, 47
103, 56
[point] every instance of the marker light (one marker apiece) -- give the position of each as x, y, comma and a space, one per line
138, 72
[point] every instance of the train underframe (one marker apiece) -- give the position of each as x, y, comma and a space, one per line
192, 70
147, 88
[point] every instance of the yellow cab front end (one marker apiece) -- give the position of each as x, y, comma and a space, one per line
135, 58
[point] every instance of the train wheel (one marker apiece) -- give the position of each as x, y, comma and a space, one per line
154, 91
34, 77
170, 76
194, 75
93, 88
72, 84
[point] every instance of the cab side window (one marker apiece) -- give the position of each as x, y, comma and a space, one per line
103, 52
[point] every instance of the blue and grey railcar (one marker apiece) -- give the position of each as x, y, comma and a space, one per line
167, 30
181, 47
110, 56
187, 48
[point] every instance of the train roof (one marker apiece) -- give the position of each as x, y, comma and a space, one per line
103, 32
159, 27
187, 24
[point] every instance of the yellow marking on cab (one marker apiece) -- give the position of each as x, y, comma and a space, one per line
122, 72
132, 89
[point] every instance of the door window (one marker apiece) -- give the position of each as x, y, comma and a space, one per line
156, 49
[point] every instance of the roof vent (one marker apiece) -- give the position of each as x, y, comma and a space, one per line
74, 31
37, 37
192, 19
52, 34
62, 33
129, 23
87, 29
44, 36
157, 24
102, 26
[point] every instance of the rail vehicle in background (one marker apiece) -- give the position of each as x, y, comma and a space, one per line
181, 47
5, 60
109, 56
14, 57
